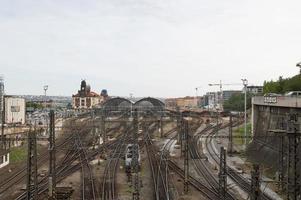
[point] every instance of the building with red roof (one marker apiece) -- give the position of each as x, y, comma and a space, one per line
85, 98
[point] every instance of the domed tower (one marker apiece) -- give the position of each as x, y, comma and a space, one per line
83, 85
85, 98
88, 88
104, 93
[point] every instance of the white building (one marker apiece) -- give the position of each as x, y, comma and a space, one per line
14, 108
4, 159
255, 89
213, 100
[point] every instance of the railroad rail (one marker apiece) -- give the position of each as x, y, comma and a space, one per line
109, 177
241, 181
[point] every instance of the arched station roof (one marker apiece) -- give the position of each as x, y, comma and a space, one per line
149, 103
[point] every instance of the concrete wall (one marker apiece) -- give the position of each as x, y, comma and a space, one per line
282, 101
268, 117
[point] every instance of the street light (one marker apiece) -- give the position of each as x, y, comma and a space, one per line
45, 90
299, 65
245, 83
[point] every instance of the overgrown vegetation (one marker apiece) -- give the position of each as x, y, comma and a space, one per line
239, 134
18, 154
282, 85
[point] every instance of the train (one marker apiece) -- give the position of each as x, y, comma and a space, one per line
129, 157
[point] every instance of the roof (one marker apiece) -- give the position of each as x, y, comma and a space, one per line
90, 94
254, 86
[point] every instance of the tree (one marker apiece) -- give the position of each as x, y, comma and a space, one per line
33, 105
282, 85
237, 102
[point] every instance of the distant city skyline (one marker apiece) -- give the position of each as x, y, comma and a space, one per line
148, 47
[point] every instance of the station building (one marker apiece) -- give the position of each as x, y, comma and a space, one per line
87, 99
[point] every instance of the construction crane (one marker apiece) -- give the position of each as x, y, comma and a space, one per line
220, 84
196, 90
196, 95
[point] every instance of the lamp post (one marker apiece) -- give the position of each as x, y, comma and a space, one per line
245, 83
45, 92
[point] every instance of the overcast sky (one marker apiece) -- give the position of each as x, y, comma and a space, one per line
159, 48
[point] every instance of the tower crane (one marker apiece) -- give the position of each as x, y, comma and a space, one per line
197, 89
220, 84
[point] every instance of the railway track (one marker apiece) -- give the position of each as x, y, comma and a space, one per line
241, 181
20, 175
159, 169
156, 164
200, 165
206, 191
159, 164
202, 188
87, 177
68, 165
109, 177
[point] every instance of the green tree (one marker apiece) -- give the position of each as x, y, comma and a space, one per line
282, 85
34, 105
237, 102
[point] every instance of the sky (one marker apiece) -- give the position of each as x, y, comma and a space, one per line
159, 48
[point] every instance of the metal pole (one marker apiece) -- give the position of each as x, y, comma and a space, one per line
293, 174
255, 183
103, 131
135, 164
221, 96
222, 174
32, 183
45, 89
161, 126
2, 108
281, 163
230, 144
52, 171
217, 128
245, 83
186, 154
2, 124
245, 114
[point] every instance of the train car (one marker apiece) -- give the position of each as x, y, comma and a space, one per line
129, 157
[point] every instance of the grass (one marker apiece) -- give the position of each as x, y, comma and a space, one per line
130, 190
18, 154
239, 134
